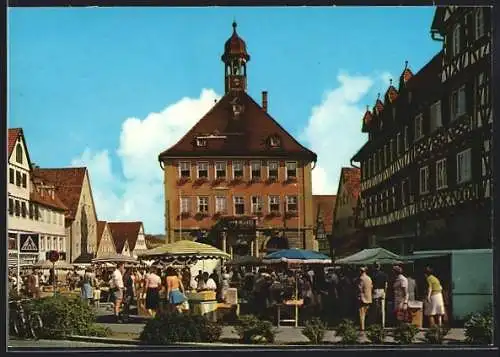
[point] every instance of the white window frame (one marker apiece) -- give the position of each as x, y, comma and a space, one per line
466, 175
274, 200
240, 164
479, 29
184, 166
419, 127
42, 243
256, 163
220, 204
287, 163
201, 142
269, 163
436, 116
238, 200
423, 181
256, 204
441, 177
184, 204
292, 200
398, 143
202, 201
199, 166
456, 45
220, 166
458, 103
406, 139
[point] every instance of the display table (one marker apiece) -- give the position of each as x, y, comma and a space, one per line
203, 303
290, 303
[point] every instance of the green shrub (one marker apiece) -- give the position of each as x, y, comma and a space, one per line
314, 330
252, 330
347, 331
63, 316
436, 334
173, 327
98, 331
479, 329
376, 334
405, 333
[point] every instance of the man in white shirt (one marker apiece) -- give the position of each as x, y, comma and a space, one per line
116, 285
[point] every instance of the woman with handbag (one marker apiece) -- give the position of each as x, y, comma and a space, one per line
401, 295
175, 289
434, 304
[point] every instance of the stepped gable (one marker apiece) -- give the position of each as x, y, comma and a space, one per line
68, 184
124, 232
324, 207
247, 134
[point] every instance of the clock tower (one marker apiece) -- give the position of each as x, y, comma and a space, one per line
235, 60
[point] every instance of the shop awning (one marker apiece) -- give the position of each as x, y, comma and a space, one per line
371, 256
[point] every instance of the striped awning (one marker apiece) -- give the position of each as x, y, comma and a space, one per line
185, 249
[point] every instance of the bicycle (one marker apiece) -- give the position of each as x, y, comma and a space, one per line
22, 324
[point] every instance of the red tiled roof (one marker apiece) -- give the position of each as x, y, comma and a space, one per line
68, 183
13, 135
324, 207
351, 179
124, 232
100, 231
44, 197
246, 135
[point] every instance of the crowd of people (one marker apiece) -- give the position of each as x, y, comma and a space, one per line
366, 295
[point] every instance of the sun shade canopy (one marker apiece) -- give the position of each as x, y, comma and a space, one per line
371, 256
185, 249
114, 258
296, 256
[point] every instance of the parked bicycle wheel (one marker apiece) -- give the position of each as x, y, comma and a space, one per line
35, 325
20, 323
14, 326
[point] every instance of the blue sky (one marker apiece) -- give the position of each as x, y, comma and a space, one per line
111, 87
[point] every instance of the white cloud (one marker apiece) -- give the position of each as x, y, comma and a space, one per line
138, 193
334, 127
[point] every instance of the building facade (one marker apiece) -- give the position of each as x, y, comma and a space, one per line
34, 209
238, 179
426, 168
72, 185
105, 243
323, 211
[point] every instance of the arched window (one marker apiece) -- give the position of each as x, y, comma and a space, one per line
456, 40
19, 153
479, 23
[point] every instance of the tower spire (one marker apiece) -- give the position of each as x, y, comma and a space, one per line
235, 60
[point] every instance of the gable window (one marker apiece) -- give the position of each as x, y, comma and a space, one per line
406, 139
256, 168
256, 204
272, 167
18, 178
291, 203
184, 169
291, 170
18, 208
184, 203
419, 130
239, 205
237, 169
11, 176
457, 46
274, 203
464, 166
220, 170
457, 103
398, 143
424, 179
201, 142
202, 204
274, 141
479, 23
441, 181
19, 153
436, 121
24, 179
202, 169
11, 206
220, 204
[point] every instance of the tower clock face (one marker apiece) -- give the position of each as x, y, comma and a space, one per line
236, 82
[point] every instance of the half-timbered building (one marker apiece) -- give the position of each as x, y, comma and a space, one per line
425, 169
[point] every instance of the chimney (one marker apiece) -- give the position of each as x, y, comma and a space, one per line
264, 101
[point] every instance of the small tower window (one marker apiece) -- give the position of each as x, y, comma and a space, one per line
201, 142
274, 141
19, 153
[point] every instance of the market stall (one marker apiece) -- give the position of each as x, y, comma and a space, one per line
371, 256
294, 258
186, 253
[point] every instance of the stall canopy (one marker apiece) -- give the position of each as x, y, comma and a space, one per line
296, 256
60, 265
245, 260
370, 256
185, 249
114, 258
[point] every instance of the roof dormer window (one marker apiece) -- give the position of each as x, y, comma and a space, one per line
274, 141
201, 142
